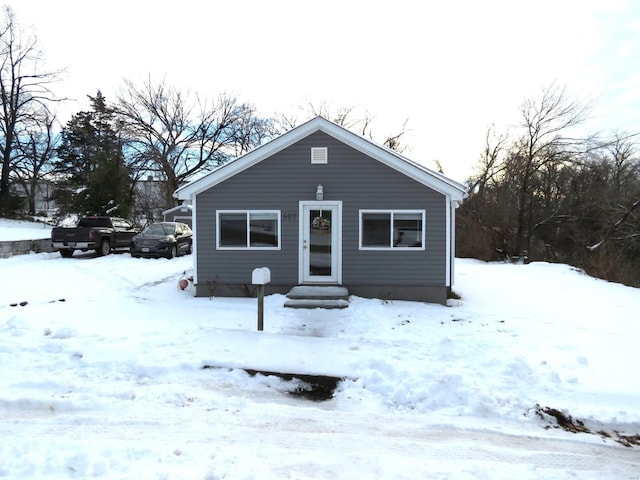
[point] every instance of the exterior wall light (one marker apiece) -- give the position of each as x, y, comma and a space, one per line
319, 193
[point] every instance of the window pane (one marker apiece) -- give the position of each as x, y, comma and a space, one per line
264, 229
407, 230
233, 229
320, 242
376, 230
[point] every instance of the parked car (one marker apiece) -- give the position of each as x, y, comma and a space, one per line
162, 239
102, 234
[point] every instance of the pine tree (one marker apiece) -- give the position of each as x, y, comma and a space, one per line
95, 179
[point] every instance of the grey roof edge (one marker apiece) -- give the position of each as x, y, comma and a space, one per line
383, 154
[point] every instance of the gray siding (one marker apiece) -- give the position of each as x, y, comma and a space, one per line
360, 182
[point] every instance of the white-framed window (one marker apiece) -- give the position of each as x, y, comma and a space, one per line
248, 229
392, 229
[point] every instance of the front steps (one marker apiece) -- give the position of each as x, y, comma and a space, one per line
318, 296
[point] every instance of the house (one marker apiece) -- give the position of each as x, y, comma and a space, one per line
181, 213
321, 205
36, 196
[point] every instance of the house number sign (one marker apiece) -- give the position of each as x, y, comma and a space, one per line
289, 215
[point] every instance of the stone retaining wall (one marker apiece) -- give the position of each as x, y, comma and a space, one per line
19, 247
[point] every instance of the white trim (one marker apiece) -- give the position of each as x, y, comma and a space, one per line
451, 242
336, 242
448, 242
194, 246
248, 214
392, 213
387, 156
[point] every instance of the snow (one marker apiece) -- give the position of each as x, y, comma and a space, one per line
23, 230
102, 377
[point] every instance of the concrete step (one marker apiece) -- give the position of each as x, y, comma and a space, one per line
318, 296
326, 292
315, 303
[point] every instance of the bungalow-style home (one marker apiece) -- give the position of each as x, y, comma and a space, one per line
321, 205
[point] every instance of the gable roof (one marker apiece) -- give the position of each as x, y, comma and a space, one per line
385, 155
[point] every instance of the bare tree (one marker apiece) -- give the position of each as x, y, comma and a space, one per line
546, 124
176, 135
484, 217
394, 142
37, 147
490, 165
520, 185
24, 90
348, 117
623, 193
626, 213
626, 168
562, 197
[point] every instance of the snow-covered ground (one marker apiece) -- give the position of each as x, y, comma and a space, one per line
102, 377
23, 230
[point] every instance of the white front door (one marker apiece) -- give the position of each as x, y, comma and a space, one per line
320, 242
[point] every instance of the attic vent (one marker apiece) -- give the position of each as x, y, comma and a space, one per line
319, 155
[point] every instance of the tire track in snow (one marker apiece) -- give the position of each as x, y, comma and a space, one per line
341, 435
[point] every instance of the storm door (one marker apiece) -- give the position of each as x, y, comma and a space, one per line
321, 242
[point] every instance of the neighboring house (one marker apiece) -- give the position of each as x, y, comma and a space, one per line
41, 196
181, 213
320, 205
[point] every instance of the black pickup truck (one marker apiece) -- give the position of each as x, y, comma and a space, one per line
102, 234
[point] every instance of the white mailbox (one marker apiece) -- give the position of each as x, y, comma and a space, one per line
261, 276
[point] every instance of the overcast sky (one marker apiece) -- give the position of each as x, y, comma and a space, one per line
450, 67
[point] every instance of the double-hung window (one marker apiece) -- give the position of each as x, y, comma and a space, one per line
254, 229
392, 229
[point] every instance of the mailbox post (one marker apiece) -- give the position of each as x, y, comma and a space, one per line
260, 277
